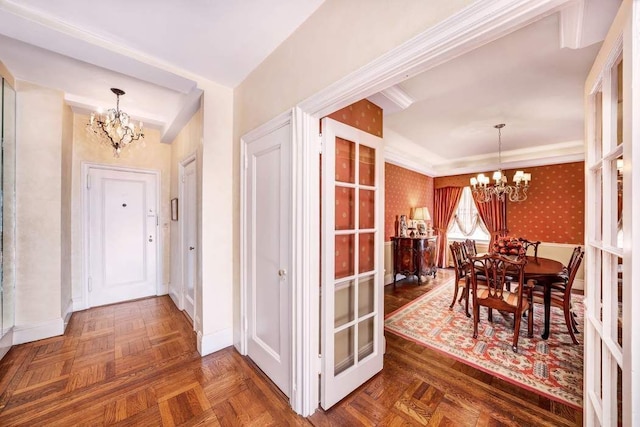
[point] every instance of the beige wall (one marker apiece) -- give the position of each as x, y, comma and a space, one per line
38, 227
66, 297
151, 155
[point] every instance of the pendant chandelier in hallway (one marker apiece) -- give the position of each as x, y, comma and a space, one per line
484, 192
115, 126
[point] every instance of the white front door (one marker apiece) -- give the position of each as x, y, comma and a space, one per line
352, 260
121, 228
267, 247
189, 226
612, 319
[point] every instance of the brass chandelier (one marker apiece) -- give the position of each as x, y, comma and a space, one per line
483, 191
115, 127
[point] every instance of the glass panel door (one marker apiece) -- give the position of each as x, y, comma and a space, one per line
352, 279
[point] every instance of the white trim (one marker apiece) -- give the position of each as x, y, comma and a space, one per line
211, 343
193, 157
68, 311
6, 342
38, 331
398, 96
480, 23
86, 166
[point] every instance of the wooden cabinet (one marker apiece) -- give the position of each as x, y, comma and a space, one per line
414, 256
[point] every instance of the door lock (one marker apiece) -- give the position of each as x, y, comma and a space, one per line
150, 238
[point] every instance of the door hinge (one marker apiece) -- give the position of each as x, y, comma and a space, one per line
320, 144
90, 282
319, 365
246, 162
88, 181
244, 324
183, 178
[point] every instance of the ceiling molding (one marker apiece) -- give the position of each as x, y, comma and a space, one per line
405, 161
571, 25
480, 23
184, 112
398, 96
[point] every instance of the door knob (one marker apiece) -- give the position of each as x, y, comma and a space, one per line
150, 238
191, 248
282, 272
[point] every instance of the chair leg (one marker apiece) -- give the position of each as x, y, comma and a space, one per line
516, 332
466, 298
569, 321
530, 320
455, 294
476, 316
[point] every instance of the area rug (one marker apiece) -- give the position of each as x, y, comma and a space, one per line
552, 368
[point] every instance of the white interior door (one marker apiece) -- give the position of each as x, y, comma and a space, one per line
612, 322
122, 230
267, 244
189, 226
352, 260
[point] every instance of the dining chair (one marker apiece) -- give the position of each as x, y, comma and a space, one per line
461, 267
489, 276
526, 244
561, 293
469, 247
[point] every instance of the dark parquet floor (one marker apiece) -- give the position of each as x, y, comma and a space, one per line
136, 363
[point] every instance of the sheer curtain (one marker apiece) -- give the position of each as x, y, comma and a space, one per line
446, 201
494, 215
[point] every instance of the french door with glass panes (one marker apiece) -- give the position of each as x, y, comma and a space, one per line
352, 311
612, 318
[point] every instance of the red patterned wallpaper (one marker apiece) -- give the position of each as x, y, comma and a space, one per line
554, 209
404, 189
363, 115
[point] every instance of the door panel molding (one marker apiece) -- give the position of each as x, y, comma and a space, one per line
85, 200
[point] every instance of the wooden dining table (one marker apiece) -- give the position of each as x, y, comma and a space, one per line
544, 271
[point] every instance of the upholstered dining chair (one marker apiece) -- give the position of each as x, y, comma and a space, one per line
461, 267
526, 244
489, 275
561, 292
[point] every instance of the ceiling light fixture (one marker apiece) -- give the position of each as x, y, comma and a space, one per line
483, 192
116, 126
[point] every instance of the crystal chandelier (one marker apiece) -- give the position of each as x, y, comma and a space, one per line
483, 191
116, 126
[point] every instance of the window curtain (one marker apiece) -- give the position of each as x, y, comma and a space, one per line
494, 215
446, 201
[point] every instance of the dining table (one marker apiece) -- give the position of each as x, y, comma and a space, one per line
544, 271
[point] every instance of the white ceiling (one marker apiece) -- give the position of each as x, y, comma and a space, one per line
157, 51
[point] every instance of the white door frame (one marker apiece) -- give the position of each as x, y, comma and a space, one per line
479, 23
181, 229
86, 166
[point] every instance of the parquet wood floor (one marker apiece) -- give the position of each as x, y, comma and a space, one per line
136, 363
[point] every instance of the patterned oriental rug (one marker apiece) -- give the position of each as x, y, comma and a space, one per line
552, 368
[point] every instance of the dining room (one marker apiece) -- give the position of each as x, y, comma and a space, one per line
546, 231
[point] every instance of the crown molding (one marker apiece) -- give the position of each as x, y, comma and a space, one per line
480, 23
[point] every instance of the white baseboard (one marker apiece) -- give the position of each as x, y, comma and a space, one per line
5, 343
78, 304
67, 313
175, 298
38, 331
211, 343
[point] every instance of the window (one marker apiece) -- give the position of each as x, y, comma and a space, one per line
466, 223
